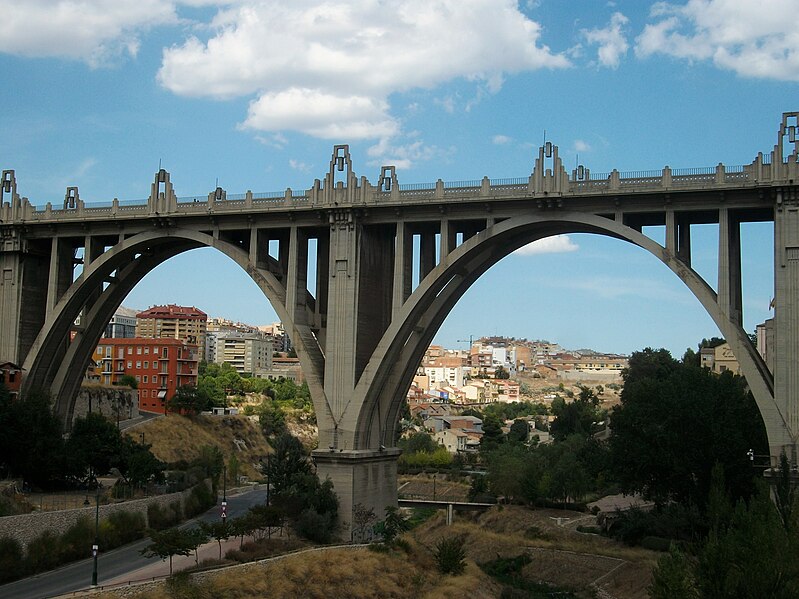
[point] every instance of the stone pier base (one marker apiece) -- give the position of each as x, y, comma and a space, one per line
361, 478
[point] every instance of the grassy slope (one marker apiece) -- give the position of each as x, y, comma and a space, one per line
559, 556
176, 438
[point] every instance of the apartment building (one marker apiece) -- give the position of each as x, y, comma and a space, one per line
122, 324
159, 366
183, 323
246, 352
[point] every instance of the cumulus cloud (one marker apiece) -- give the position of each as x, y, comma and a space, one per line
95, 32
581, 146
752, 39
328, 68
501, 140
557, 244
611, 40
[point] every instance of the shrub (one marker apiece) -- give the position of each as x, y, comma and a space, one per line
315, 526
44, 552
656, 543
200, 499
450, 555
120, 528
160, 517
12, 565
76, 542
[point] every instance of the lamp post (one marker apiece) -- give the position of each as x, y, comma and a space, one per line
95, 547
224, 493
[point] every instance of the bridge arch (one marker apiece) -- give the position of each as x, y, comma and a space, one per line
122, 267
388, 375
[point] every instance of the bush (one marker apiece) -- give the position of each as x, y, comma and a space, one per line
200, 499
44, 552
315, 526
159, 517
77, 541
656, 543
12, 565
450, 555
121, 528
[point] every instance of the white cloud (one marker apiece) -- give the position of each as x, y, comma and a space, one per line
610, 287
557, 244
611, 40
94, 32
299, 166
403, 156
500, 140
753, 39
351, 57
327, 116
581, 146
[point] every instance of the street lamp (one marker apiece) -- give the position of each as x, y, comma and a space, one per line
224, 493
96, 547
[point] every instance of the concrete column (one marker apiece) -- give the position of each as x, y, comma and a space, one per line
671, 231
447, 241
365, 477
297, 275
729, 265
60, 276
684, 241
427, 253
10, 304
341, 325
403, 254
786, 325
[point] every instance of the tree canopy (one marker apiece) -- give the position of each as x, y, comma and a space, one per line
675, 421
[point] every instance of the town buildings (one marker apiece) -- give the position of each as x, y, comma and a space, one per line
159, 367
173, 322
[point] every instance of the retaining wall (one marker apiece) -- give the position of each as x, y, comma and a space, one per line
26, 527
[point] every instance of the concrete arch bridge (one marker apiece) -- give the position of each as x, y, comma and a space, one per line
362, 330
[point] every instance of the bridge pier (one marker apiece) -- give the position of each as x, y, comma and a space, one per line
366, 477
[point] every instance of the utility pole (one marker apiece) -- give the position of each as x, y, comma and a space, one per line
224, 493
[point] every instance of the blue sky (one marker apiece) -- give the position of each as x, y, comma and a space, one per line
254, 94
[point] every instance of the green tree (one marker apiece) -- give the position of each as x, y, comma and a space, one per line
519, 431
271, 418
576, 417
675, 422
138, 464
129, 381
492, 433
418, 442
287, 460
501, 373
31, 445
189, 399
94, 446
168, 543
218, 530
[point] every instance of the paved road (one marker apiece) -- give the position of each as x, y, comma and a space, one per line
115, 563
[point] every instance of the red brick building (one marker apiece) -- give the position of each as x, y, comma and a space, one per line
159, 366
11, 377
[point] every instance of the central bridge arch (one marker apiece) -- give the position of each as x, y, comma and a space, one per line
390, 371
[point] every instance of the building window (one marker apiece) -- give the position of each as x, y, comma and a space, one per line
146, 350
144, 393
146, 365
138, 379
130, 364
145, 378
165, 353
138, 350
138, 364
130, 350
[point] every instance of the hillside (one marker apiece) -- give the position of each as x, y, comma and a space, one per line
586, 566
175, 438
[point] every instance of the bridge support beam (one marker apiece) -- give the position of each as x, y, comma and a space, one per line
360, 477
786, 321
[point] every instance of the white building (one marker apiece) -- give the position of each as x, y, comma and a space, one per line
246, 352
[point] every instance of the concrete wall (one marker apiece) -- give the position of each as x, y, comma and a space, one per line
105, 399
596, 376
26, 527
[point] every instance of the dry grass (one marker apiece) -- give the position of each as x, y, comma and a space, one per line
177, 438
560, 556
334, 573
